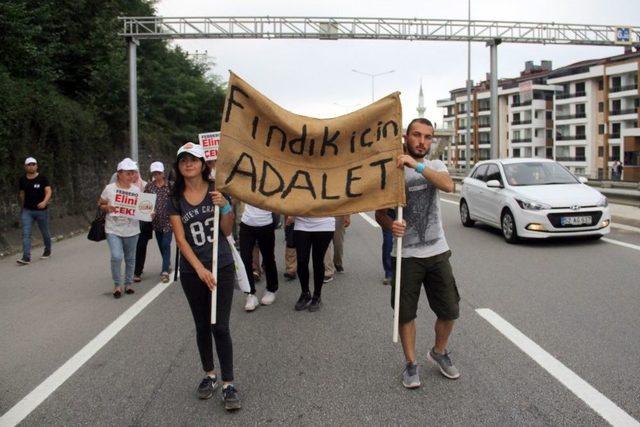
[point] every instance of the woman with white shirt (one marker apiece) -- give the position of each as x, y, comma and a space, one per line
311, 237
257, 226
122, 232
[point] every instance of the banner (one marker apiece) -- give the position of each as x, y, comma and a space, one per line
210, 142
132, 204
296, 165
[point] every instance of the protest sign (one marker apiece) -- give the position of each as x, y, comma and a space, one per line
297, 165
210, 142
133, 204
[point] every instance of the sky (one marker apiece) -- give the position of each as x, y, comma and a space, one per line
315, 77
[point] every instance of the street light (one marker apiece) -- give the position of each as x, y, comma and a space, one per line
373, 76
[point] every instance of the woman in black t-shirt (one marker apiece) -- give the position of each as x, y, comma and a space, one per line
191, 213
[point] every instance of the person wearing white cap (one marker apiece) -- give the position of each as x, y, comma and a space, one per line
122, 232
161, 226
34, 195
191, 213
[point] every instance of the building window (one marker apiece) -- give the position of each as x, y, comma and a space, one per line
600, 107
580, 109
516, 152
580, 130
549, 152
601, 129
549, 133
549, 115
615, 152
580, 154
601, 151
580, 87
601, 84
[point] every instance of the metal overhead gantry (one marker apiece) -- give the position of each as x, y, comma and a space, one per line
330, 28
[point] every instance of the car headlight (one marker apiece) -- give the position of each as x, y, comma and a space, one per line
531, 205
603, 203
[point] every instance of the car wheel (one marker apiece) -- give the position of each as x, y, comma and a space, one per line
509, 231
465, 217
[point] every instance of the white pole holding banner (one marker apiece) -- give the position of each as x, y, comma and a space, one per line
214, 264
396, 299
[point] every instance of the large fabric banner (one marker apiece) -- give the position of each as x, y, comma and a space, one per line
296, 165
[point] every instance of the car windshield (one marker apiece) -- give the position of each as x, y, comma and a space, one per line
538, 173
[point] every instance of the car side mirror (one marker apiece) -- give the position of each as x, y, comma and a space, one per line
494, 183
582, 179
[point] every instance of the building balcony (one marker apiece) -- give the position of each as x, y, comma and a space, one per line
484, 108
614, 135
448, 115
571, 137
521, 104
521, 122
571, 116
571, 158
623, 112
623, 88
570, 95
518, 140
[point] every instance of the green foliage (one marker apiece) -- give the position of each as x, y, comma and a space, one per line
64, 96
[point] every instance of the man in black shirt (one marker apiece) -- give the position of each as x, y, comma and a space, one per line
34, 195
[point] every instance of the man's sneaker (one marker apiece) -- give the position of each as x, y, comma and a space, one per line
290, 276
206, 387
137, 279
386, 281
303, 302
230, 398
257, 276
23, 261
327, 279
315, 304
46, 254
411, 376
339, 269
443, 361
252, 303
268, 298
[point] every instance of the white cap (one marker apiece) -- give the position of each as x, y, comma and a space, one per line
30, 160
127, 165
193, 149
156, 167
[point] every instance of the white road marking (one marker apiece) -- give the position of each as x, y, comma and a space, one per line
608, 410
619, 243
31, 401
369, 220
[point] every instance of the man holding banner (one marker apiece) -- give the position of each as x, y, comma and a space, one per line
425, 253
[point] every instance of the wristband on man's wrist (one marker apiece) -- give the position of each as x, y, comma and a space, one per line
420, 167
225, 209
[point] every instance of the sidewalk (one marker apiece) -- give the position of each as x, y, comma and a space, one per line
624, 214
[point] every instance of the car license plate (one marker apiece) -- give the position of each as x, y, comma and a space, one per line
575, 220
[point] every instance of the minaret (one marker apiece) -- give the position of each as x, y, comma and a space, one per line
421, 108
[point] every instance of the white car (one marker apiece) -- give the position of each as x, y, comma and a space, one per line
532, 198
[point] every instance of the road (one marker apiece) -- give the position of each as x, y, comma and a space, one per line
575, 299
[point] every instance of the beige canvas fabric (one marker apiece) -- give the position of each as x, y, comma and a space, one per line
297, 165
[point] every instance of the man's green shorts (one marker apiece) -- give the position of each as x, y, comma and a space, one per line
440, 285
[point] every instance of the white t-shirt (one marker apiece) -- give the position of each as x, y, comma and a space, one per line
256, 217
424, 236
305, 223
119, 225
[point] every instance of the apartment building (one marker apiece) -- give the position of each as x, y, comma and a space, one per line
526, 124
597, 115
584, 115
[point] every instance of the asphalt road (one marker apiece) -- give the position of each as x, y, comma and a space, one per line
576, 299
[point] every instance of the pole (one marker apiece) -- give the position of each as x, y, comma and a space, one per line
133, 98
396, 299
214, 264
495, 119
468, 135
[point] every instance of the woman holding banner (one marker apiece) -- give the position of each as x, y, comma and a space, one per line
191, 213
122, 232
312, 237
